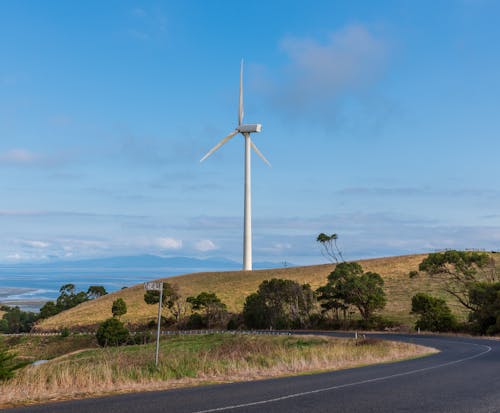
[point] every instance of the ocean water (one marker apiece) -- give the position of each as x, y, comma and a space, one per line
30, 288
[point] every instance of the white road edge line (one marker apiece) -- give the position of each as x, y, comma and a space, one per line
341, 386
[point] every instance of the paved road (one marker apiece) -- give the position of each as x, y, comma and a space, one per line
464, 377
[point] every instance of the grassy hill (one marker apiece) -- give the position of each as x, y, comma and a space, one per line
233, 286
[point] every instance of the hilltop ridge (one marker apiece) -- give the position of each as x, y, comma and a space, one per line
233, 286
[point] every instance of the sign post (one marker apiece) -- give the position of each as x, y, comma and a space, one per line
156, 286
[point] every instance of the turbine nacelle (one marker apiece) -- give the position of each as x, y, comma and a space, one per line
250, 128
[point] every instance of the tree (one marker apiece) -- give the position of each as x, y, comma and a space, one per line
435, 315
49, 309
365, 292
279, 304
214, 308
67, 289
330, 300
485, 298
171, 299
349, 285
119, 307
457, 271
69, 298
96, 291
17, 321
330, 248
112, 332
7, 363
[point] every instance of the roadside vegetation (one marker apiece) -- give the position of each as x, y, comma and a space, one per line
471, 279
190, 360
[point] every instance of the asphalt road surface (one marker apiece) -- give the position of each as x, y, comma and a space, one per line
463, 377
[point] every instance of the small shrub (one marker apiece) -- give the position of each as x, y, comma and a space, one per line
65, 332
370, 341
7, 364
168, 321
195, 322
141, 338
112, 332
485, 297
236, 322
435, 315
376, 323
119, 307
165, 322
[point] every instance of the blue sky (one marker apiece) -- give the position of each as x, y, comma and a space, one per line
380, 120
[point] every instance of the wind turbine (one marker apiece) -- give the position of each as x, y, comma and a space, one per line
245, 130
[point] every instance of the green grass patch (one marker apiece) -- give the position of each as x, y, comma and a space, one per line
193, 360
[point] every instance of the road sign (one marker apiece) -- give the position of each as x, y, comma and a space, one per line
153, 286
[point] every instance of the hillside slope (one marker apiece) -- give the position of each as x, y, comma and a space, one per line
233, 286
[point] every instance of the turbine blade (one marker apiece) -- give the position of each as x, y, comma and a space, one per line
222, 142
240, 111
259, 153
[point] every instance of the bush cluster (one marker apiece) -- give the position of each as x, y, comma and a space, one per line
112, 332
435, 315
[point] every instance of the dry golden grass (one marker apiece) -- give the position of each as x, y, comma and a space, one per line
1, 314
191, 360
233, 286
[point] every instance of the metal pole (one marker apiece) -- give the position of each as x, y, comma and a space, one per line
159, 324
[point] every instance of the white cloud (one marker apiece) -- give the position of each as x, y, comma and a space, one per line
71, 244
18, 156
61, 214
169, 243
282, 246
139, 12
6, 213
350, 57
36, 244
60, 120
205, 245
21, 257
318, 73
147, 24
14, 257
137, 34
24, 157
8, 80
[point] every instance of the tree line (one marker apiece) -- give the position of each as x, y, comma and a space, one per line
283, 303
16, 320
350, 298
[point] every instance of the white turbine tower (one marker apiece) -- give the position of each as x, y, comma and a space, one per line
245, 130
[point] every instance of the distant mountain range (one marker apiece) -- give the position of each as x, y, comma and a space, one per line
148, 261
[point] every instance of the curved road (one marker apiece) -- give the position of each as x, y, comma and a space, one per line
463, 377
